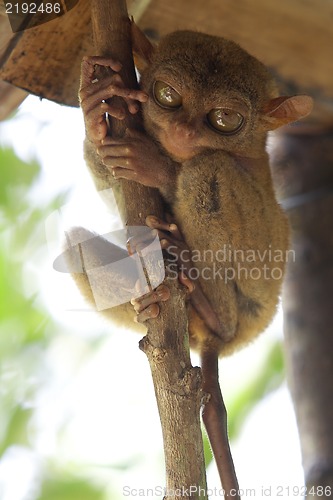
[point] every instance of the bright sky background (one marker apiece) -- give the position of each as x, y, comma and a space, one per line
110, 407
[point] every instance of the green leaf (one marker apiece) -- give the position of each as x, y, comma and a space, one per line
16, 431
14, 173
70, 489
21, 320
267, 380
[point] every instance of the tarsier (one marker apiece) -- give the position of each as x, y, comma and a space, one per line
207, 106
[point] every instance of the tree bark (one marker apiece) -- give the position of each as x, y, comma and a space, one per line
303, 168
177, 384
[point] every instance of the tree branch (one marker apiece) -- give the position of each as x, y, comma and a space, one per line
177, 384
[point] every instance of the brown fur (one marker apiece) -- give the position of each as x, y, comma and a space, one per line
224, 194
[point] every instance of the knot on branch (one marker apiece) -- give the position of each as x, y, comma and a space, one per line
145, 346
189, 383
156, 354
193, 379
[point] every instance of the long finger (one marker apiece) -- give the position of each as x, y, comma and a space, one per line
98, 85
88, 67
108, 81
161, 294
118, 149
150, 312
156, 223
92, 116
122, 172
102, 92
96, 125
186, 281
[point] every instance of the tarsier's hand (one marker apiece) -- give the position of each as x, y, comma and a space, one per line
94, 92
135, 157
172, 239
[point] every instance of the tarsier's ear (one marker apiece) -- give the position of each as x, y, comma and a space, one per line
283, 110
143, 49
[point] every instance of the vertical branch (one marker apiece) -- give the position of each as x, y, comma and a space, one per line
112, 37
303, 162
177, 384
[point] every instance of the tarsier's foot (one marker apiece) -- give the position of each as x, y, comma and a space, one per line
93, 94
171, 237
147, 306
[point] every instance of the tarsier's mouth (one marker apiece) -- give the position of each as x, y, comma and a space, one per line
179, 149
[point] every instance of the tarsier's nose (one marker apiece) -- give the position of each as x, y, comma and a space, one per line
185, 130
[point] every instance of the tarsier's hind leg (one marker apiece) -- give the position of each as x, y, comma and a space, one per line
215, 419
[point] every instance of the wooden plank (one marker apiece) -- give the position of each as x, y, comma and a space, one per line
46, 60
293, 37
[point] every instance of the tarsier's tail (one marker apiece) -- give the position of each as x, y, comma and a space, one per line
215, 420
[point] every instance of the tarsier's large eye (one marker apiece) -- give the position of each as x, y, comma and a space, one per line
166, 96
225, 120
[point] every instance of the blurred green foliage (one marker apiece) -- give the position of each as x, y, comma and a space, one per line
266, 380
16, 177
21, 321
26, 329
67, 488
